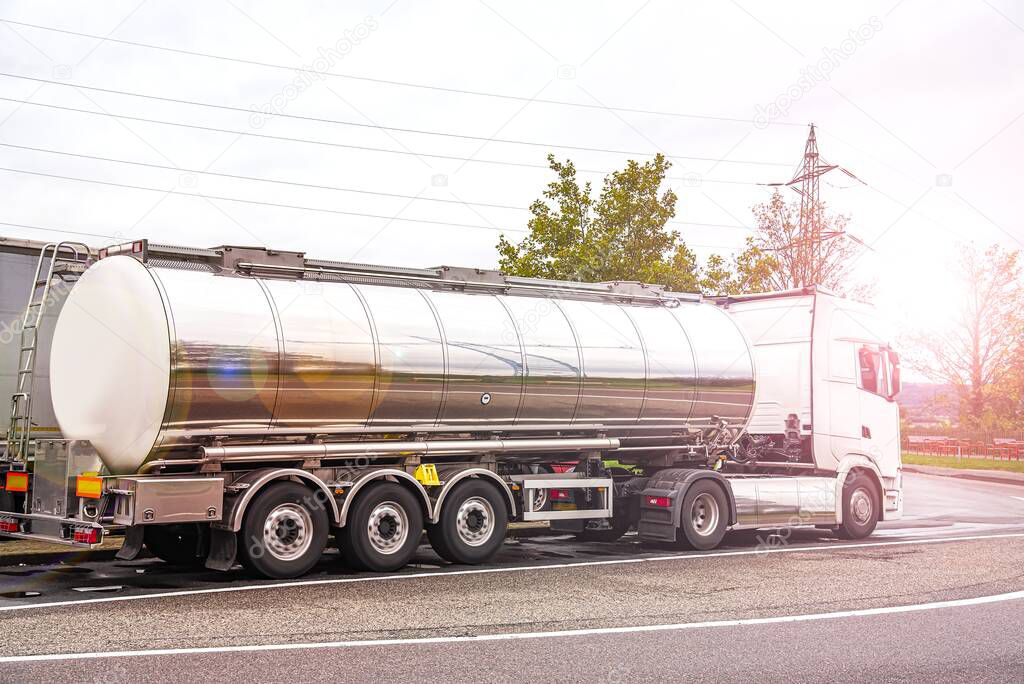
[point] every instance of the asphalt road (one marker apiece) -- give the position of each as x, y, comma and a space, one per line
937, 595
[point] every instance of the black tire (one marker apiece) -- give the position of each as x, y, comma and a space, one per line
284, 531
704, 516
860, 508
184, 544
389, 548
483, 528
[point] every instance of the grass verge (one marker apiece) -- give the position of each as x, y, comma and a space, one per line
964, 463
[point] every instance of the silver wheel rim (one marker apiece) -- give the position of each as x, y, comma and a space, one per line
704, 514
388, 527
540, 499
861, 506
288, 532
475, 521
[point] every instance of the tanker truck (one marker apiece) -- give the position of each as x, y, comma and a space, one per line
241, 404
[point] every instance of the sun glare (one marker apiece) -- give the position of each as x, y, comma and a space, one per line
919, 290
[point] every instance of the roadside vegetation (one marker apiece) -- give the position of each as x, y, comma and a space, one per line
979, 354
625, 233
964, 463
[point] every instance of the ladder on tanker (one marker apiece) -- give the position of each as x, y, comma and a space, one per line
63, 262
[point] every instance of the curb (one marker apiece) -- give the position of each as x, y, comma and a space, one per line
53, 554
60, 557
965, 475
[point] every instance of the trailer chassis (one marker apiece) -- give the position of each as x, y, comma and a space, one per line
446, 489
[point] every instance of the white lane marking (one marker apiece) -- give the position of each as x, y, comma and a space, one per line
488, 571
744, 622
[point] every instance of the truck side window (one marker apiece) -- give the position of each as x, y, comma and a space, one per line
870, 363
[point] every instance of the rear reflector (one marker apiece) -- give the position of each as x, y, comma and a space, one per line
88, 487
17, 482
90, 536
9, 526
102, 254
659, 501
559, 494
137, 247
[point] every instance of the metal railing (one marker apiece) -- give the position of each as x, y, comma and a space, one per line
966, 448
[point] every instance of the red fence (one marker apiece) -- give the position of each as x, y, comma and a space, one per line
965, 448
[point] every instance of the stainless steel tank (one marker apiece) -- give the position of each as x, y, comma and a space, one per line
148, 359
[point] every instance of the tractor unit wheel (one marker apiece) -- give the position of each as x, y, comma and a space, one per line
704, 516
860, 508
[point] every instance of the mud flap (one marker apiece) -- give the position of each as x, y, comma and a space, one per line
659, 523
132, 547
223, 549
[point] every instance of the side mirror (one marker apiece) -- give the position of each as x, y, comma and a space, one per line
894, 374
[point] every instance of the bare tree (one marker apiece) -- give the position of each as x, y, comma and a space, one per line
976, 353
775, 258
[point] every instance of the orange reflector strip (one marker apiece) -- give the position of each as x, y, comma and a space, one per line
17, 482
88, 487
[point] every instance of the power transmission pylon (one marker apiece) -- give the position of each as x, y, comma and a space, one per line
811, 234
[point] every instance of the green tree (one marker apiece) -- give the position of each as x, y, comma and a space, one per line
622, 235
749, 271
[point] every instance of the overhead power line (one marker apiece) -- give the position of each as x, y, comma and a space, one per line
397, 129
392, 82
328, 143
66, 231
315, 186
281, 205
56, 230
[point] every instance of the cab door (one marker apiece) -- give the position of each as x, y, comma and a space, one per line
877, 381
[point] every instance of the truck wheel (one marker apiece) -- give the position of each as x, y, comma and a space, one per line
183, 544
704, 516
860, 508
284, 532
472, 525
383, 528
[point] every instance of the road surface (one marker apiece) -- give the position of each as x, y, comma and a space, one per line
937, 595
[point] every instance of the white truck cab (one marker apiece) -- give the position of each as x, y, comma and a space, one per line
828, 376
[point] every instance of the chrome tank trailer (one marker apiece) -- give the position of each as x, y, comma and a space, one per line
165, 357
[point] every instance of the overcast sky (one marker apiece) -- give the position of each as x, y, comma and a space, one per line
921, 100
